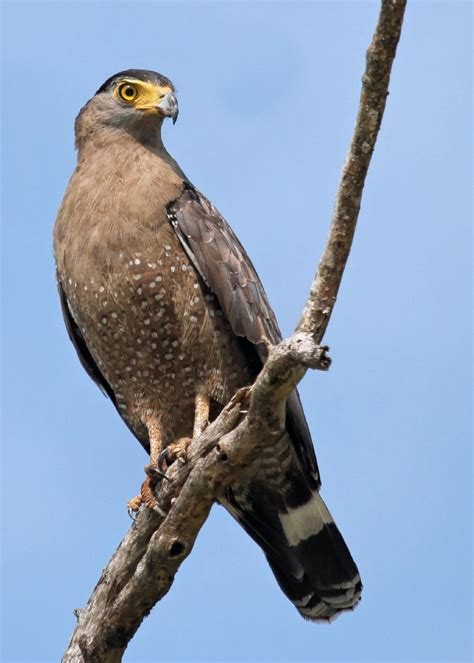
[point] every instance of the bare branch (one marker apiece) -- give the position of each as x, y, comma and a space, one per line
143, 567
380, 56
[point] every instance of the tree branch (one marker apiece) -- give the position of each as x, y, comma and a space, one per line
143, 567
379, 59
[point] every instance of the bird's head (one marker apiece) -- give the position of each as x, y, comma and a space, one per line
130, 100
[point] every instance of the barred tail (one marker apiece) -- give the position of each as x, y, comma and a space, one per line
305, 550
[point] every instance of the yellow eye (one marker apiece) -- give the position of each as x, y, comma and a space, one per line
127, 92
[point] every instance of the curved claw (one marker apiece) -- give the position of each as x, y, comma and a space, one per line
164, 457
155, 473
133, 507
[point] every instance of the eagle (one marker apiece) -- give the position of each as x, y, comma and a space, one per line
169, 318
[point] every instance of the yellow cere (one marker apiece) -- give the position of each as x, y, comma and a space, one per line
144, 96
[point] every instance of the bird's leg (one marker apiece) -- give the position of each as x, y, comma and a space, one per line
147, 491
179, 448
202, 404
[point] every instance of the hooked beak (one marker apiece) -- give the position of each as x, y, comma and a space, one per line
168, 106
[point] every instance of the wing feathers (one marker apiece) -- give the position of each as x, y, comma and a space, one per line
227, 270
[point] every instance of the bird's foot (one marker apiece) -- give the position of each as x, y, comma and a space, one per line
175, 451
133, 506
147, 492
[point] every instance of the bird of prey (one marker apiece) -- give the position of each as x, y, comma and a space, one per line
169, 318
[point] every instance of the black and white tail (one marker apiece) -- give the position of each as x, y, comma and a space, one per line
323, 580
305, 550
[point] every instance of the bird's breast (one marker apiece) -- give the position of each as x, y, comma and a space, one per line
155, 331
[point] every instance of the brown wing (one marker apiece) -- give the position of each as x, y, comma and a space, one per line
227, 270
87, 360
225, 266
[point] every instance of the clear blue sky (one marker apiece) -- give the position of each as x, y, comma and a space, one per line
268, 93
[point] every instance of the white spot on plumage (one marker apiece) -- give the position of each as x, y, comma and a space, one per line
316, 611
349, 583
345, 599
304, 601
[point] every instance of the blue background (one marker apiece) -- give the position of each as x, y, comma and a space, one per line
268, 94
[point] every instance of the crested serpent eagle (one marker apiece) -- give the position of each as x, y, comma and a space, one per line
169, 318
